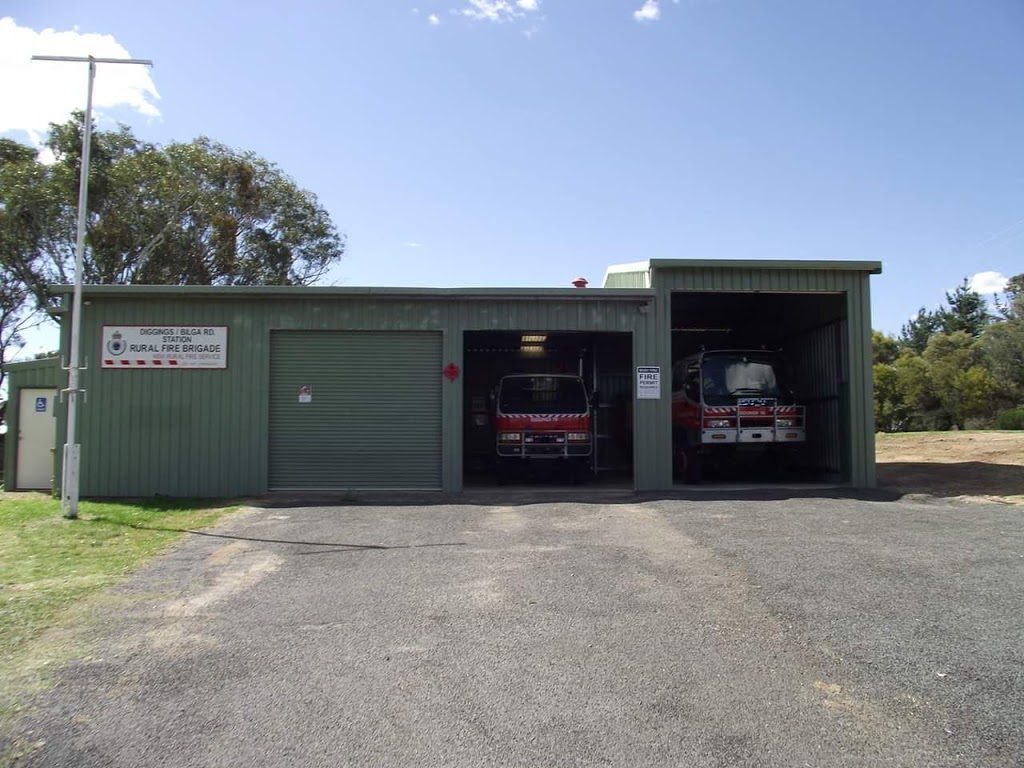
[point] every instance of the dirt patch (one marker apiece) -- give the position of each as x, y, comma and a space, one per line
985, 466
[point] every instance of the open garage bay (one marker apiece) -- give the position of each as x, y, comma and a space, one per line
808, 334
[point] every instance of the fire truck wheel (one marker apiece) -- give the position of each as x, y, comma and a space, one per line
776, 463
689, 466
578, 474
501, 474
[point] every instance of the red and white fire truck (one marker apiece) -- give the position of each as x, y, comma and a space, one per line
543, 420
728, 405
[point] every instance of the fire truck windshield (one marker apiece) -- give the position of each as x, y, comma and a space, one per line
542, 394
728, 377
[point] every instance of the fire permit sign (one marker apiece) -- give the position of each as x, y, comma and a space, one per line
648, 382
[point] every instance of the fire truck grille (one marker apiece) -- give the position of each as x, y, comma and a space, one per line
548, 439
545, 450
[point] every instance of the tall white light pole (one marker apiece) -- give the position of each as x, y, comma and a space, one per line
72, 451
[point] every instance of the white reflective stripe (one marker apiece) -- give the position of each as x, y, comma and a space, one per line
542, 416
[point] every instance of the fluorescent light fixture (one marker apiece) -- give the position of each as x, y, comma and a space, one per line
532, 349
702, 330
534, 339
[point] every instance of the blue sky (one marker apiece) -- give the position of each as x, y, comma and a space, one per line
525, 143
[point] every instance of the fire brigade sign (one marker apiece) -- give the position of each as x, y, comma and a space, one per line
164, 346
648, 382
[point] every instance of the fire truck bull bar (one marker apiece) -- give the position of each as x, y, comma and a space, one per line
767, 428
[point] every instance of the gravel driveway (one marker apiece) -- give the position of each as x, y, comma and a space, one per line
690, 632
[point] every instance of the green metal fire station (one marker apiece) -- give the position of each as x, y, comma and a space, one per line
214, 391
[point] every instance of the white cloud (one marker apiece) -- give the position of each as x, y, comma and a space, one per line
37, 93
413, 244
649, 11
433, 20
500, 10
46, 156
988, 282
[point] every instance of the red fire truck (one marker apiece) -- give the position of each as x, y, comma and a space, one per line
729, 405
543, 420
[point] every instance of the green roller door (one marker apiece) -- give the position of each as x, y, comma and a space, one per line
372, 413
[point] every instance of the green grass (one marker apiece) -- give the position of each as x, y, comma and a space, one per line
50, 565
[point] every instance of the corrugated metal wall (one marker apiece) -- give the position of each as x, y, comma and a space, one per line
818, 357
750, 279
205, 432
638, 279
861, 421
36, 373
615, 391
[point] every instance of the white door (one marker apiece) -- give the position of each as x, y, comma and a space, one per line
37, 429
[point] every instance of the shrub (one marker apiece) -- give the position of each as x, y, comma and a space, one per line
1011, 419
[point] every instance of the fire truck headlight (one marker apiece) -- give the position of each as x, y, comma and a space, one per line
719, 424
579, 437
510, 437
785, 422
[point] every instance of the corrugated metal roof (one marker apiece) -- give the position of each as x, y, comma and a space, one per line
298, 291
21, 366
872, 267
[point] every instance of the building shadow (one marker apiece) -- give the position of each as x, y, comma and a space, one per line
514, 496
329, 546
946, 480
